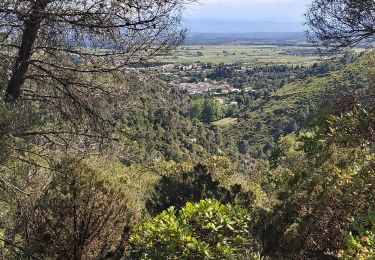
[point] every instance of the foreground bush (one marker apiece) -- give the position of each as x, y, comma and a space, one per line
81, 213
324, 182
360, 244
206, 230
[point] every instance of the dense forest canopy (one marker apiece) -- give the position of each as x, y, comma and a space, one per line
108, 150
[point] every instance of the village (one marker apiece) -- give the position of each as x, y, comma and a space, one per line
191, 79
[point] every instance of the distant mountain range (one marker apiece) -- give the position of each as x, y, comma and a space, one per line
273, 38
241, 26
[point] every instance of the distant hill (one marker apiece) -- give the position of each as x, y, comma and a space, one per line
220, 31
279, 38
241, 26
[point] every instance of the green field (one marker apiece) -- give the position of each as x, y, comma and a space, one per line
252, 54
225, 122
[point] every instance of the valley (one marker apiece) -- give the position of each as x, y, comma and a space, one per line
248, 55
126, 135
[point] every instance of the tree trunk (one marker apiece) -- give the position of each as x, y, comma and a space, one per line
29, 35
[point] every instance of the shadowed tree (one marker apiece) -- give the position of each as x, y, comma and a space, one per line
193, 186
342, 23
81, 213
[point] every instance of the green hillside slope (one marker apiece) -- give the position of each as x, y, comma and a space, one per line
290, 108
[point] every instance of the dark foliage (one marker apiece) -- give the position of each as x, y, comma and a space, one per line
194, 186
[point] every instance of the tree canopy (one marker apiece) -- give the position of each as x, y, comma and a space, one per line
47, 41
342, 23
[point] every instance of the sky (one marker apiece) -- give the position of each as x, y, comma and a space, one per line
251, 10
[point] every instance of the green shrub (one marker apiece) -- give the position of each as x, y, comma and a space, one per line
324, 179
206, 230
360, 244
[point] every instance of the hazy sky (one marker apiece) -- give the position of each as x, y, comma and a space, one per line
286, 10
